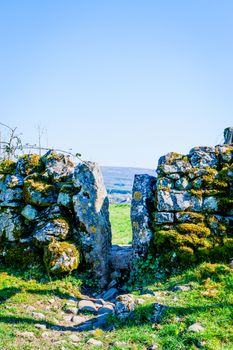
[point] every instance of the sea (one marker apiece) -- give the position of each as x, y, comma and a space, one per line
119, 182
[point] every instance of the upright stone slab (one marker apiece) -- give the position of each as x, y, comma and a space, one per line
228, 136
141, 209
91, 211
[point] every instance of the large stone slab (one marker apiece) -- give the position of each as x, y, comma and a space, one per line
91, 211
120, 257
141, 207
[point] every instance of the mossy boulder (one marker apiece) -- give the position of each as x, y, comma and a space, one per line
29, 163
37, 191
7, 166
61, 258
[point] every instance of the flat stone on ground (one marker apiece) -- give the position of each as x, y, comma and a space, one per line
87, 305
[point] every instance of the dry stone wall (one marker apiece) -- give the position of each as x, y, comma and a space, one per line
54, 212
185, 214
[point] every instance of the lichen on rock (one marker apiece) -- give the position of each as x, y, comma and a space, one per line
47, 231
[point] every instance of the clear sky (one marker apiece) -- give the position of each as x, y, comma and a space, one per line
120, 81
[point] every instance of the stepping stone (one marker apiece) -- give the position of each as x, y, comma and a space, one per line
110, 294
78, 319
74, 338
26, 334
106, 309
38, 315
182, 287
196, 328
40, 326
94, 342
87, 305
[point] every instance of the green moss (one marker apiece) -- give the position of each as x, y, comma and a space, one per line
32, 163
198, 229
212, 270
190, 217
186, 255
217, 226
186, 244
68, 189
38, 183
172, 157
54, 156
35, 183
225, 204
19, 256
197, 193
223, 252
210, 179
61, 258
7, 166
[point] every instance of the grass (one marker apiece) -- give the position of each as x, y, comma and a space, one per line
121, 224
208, 302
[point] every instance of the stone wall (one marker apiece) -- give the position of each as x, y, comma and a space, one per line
185, 215
54, 212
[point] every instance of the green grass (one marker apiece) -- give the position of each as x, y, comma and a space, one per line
208, 302
121, 224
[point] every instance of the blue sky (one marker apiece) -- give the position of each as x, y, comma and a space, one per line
122, 81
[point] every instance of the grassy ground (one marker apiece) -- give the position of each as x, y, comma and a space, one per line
27, 303
120, 222
29, 300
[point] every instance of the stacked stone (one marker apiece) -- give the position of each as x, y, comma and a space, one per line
193, 219
43, 201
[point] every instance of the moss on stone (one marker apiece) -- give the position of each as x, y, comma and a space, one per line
38, 191
36, 183
190, 217
61, 258
200, 230
31, 163
172, 157
185, 255
20, 256
225, 204
7, 166
197, 193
